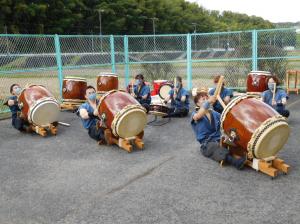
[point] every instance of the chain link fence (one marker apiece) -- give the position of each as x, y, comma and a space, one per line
47, 59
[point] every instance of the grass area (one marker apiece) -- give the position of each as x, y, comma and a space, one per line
74, 60
18, 63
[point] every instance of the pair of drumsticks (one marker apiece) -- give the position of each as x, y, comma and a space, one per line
218, 91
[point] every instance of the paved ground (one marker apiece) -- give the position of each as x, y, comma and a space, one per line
68, 178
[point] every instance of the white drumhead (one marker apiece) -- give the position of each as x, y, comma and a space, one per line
164, 91
108, 74
271, 141
260, 73
44, 113
75, 78
159, 81
131, 123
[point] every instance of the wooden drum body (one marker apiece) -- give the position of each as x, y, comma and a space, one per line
38, 106
257, 81
122, 114
107, 82
74, 89
256, 128
158, 109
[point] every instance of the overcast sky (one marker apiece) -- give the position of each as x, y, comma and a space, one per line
272, 10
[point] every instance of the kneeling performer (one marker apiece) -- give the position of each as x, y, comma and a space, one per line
206, 125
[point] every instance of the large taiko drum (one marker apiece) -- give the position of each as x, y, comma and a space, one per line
38, 106
122, 114
257, 128
74, 89
107, 82
164, 90
257, 81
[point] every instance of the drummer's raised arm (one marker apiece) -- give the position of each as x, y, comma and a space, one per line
84, 114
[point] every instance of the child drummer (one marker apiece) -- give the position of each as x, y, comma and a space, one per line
88, 113
16, 120
179, 100
206, 126
141, 92
275, 97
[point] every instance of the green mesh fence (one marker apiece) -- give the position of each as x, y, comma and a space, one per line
47, 59
228, 54
27, 60
278, 51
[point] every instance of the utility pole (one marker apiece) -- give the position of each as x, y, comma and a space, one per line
153, 26
195, 27
100, 26
7, 44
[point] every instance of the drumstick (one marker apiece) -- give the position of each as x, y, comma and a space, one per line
175, 84
218, 91
221, 101
274, 92
64, 124
219, 86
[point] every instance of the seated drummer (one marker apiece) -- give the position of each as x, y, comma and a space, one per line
206, 126
280, 99
141, 92
17, 122
179, 100
89, 115
226, 95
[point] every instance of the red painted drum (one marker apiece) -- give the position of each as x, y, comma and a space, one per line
122, 114
38, 106
74, 89
255, 127
107, 82
164, 90
157, 84
257, 81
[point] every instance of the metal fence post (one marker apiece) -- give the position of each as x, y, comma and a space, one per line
112, 54
126, 60
254, 50
189, 61
59, 63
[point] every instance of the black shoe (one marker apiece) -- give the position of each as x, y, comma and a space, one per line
240, 163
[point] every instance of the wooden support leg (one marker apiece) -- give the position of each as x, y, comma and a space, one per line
280, 165
39, 130
267, 168
53, 129
125, 144
109, 138
139, 143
